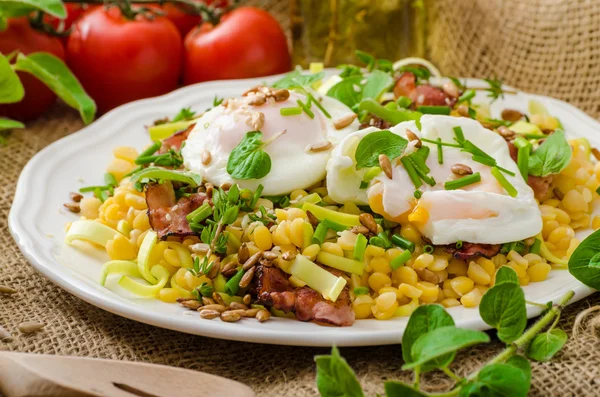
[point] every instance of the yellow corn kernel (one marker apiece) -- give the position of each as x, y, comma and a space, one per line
411, 233
171, 257
89, 207
514, 256
524, 281
430, 292
538, 272
482, 288
281, 214
385, 301
532, 259
137, 202
296, 232
422, 261
347, 240
124, 227
131, 214
262, 238
442, 275
350, 208
462, 285
119, 168
574, 201
311, 251
332, 248
281, 234
141, 221
407, 309
439, 263
471, 299
125, 153
120, 248
548, 227
405, 275
391, 289
520, 270
551, 203
562, 217
450, 302
457, 267
392, 253
373, 250
380, 264
384, 315
193, 281
168, 295
362, 311
487, 265
572, 246
331, 201
478, 274
112, 212
295, 213
298, 193
379, 280
180, 278
410, 291
119, 197
321, 191
499, 260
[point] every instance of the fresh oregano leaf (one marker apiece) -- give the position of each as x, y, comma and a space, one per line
544, 346
521, 363
377, 83
503, 307
552, 156
498, 380
11, 89
584, 263
376, 143
506, 274
335, 378
248, 160
399, 389
8, 124
442, 341
347, 91
17, 8
56, 75
297, 79
424, 319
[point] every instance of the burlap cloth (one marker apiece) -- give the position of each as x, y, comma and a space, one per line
544, 46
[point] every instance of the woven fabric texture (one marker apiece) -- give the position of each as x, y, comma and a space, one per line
545, 46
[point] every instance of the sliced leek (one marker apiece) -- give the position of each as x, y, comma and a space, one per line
91, 231
341, 263
145, 290
144, 255
182, 253
339, 217
549, 256
127, 268
184, 293
317, 278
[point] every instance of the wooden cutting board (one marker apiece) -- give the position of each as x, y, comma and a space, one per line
37, 375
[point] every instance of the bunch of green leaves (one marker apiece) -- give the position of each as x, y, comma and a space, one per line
185, 114
495, 89
203, 290
262, 216
431, 341
552, 156
201, 267
385, 65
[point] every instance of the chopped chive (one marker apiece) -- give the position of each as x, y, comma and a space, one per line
199, 214
403, 102
492, 163
305, 108
466, 96
459, 244
142, 160
470, 147
535, 136
523, 161
361, 291
110, 179
233, 285
88, 189
460, 136
441, 143
510, 189
428, 249
371, 173
536, 246
333, 225
421, 171
412, 173
151, 149
521, 142
400, 259
417, 194
391, 105
386, 240
320, 234
472, 112
363, 185
290, 111
101, 195
403, 243
256, 196
318, 104
440, 151
377, 241
360, 247
462, 182
434, 109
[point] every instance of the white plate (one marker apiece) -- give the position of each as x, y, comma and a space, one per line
37, 221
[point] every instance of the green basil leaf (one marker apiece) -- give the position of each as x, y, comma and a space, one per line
506, 274
347, 91
442, 341
8, 124
552, 156
11, 89
297, 79
424, 319
335, 378
56, 75
503, 307
521, 363
584, 263
248, 160
498, 380
376, 143
399, 389
377, 83
545, 346
17, 8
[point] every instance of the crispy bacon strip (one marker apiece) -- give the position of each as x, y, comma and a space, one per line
539, 184
176, 140
470, 251
423, 94
166, 214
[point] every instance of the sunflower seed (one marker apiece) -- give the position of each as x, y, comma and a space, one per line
247, 278
270, 255
247, 299
251, 262
258, 100
344, 121
243, 254
288, 256
191, 304
386, 165
413, 137
359, 230
368, 221
558, 193
207, 301
461, 169
281, 95
596, 153
215, 307
505, 132
263, 315
206, 157
427, 275
312, 219
5, 289
76, 197
511, 115
320, 147
252, 312
73, 207
241, 312
29, 327
230, 317
209, 314
237, 306
6, 336
218, 299
229, 269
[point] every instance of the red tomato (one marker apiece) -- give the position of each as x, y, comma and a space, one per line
119, 60
74, 11
248, 42
20, 36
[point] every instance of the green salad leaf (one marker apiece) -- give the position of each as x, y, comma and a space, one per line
248, 160
506, 274
399, 389
298, 79
584, 263
377, 83
544, 346
11, 89
498, 380
552, 156
335, 378
8, 124
17, 8
503, 307
348, 91
376, 143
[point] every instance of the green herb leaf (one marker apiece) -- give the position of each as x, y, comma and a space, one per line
184, 114
16, 8
424, 319
56, 75
442, 341
298, 79
11, 89
545, 346
248, 160
506, 274
8, 124
399, 389
376, 143
498, 380
495, 90
377, 83
552, 156
503, 307
521, 363
584, 263
366, 58
391, 115
335, 378
347, 91
157, 173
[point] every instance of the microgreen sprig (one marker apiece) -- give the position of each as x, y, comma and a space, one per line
495, 90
